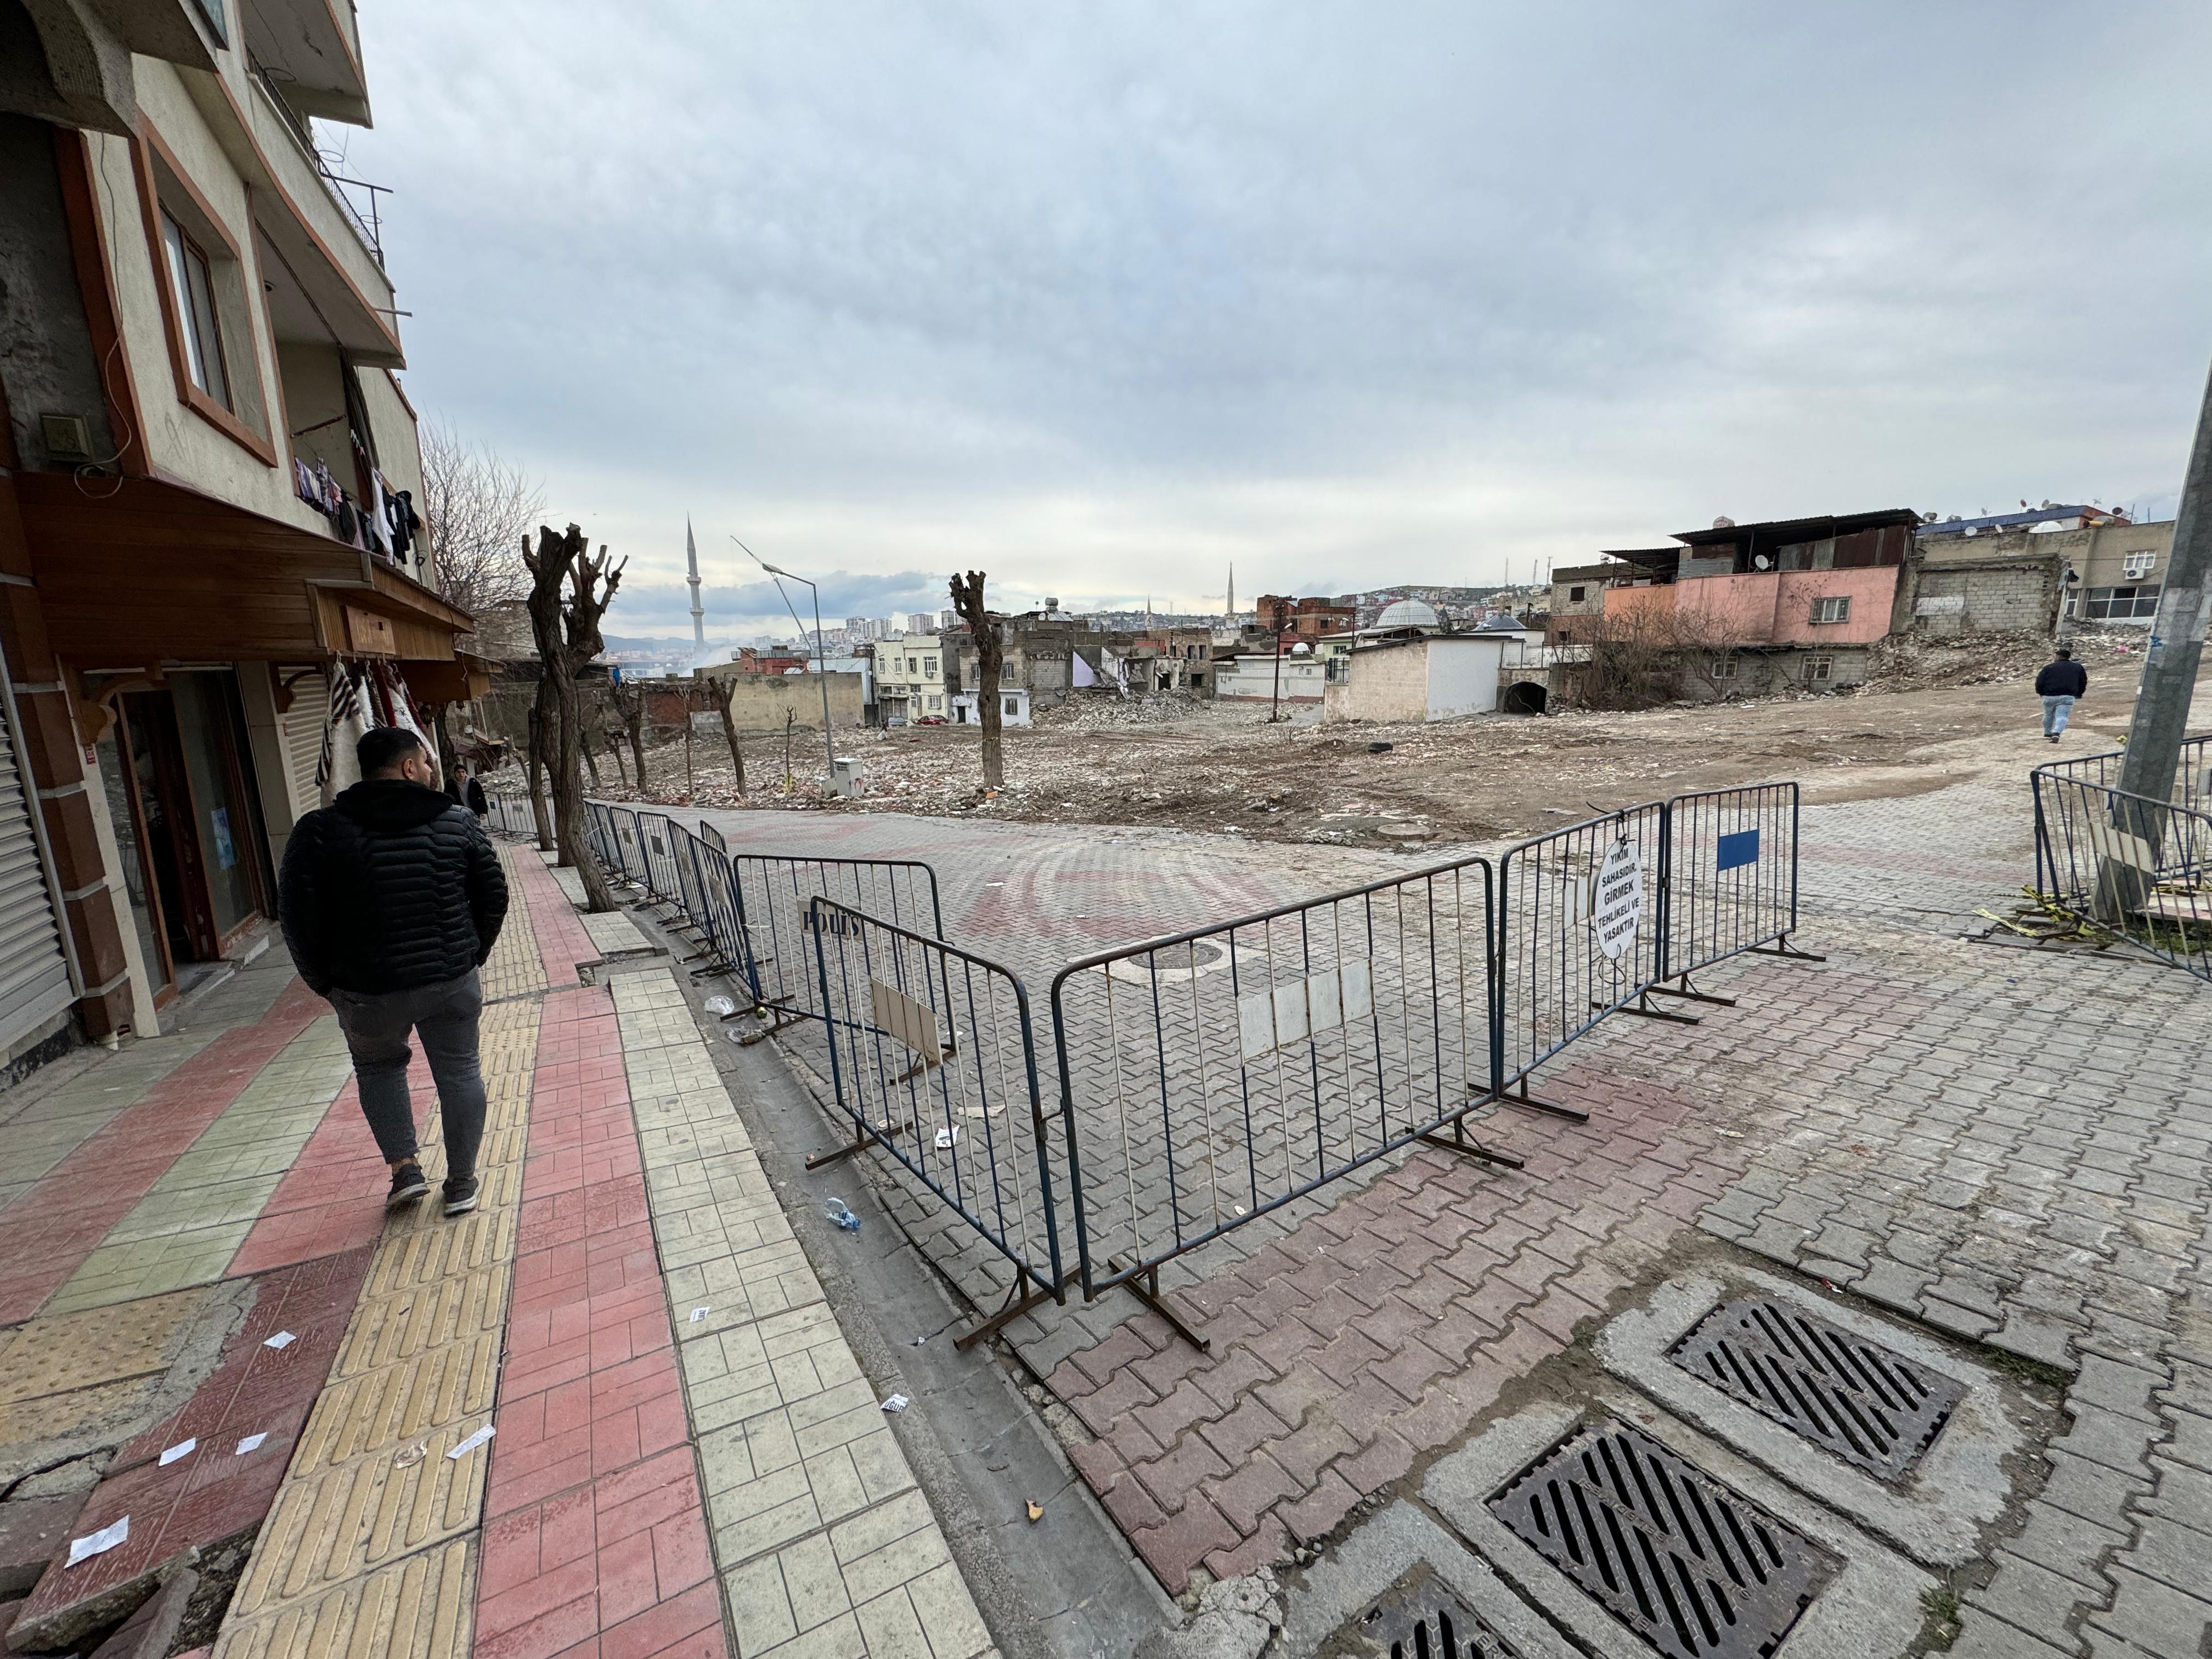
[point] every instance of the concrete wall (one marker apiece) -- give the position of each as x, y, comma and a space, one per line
761, 703
1770, 608
1252, 679
1462, 673
1996, 597
1390, 683
48, 366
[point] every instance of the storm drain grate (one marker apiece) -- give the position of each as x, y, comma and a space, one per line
1418, 1618
1696, 1570
1866, 1404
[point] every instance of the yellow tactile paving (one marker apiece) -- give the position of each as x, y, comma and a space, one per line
453, 1384
366, 1550
335, 1525
66, 1351
421, 1607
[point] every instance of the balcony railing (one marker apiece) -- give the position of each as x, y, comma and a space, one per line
368, 226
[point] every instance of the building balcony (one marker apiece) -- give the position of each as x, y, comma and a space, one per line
313, 49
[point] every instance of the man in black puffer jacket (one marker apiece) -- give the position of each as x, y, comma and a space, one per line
390, 900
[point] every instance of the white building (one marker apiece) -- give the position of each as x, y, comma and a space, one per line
1013, 707
1427, 676
909, 679
1252, 678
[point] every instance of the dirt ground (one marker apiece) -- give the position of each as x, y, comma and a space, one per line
1939, 712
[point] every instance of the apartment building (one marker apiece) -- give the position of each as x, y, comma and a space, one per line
209, 481
910, 679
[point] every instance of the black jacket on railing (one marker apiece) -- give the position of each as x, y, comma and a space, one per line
392, 887
2062, 680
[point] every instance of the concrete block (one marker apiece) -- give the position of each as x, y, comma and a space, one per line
148, 1632
32, 1532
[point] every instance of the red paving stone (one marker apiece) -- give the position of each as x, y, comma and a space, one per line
595, 1538
332, 1197
56, 1225
214, 1491
1351, 1350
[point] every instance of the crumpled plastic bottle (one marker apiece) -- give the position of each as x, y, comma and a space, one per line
843, 1216
720, 1006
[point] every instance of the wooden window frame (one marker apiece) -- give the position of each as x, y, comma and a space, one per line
1822, 602
241, 359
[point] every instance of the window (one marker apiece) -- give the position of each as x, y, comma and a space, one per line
1831, 611
2123, 603
196, 318
1724, 667
1013, 707
2138, 563
1820, 671
936, 704
1575, 595
929, 666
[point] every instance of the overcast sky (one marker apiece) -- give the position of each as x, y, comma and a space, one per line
1098, 299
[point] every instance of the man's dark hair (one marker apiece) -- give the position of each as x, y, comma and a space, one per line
2065, 650
383, 747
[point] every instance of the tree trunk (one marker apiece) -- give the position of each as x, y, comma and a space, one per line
588, 714
567, 636
983, 627
535, 754
730, 736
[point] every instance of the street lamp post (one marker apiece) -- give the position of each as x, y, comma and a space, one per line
1275, 702
821, 651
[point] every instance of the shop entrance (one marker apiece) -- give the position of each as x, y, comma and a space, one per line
201, 877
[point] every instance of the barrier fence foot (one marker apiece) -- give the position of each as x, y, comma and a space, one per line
1691, 993
1014, 1307
822, 1160
1519, 1095
784, 1021
1643, 1005
1145, 1287
1456, 1141
1783, 947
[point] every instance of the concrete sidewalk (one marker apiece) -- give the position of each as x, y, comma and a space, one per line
409, 1435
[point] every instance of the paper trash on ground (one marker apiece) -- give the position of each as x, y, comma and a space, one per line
98, 1543
281, 1340
896, 1403
182, 1449
698, 1313
252, 1443
462, 1448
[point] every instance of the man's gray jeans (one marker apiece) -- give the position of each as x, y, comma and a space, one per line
444, 1016
2054, 711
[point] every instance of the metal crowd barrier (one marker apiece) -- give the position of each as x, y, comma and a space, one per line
933, 1059
1576, 939
1729, 882
2135, 866
1211, 1076
770, 892
2192, 791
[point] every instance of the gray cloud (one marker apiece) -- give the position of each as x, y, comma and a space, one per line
1100, 300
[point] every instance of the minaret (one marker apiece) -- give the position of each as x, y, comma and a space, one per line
1232, 589
698, 610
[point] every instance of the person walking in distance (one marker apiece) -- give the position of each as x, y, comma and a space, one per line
477, 800
390, 899
2062, 680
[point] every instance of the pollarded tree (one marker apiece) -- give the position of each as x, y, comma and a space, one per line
983, 628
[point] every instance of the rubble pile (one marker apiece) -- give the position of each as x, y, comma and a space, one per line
1223, 768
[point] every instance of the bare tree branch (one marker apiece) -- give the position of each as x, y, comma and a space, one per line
478, 509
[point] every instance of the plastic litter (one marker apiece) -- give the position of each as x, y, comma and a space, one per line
720, 1007
844, 1218
898, 1403
946, 1138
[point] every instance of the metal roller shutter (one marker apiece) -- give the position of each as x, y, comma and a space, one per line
34, 975
303, 737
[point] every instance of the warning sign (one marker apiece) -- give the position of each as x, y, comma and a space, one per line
1618, 899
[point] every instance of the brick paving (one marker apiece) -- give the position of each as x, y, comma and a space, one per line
2009, 1147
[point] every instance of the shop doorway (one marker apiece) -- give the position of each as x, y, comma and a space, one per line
186, 771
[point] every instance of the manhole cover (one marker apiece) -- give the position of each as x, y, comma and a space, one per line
1174, 964
1693, 1568
1868, 1406
1418, 1618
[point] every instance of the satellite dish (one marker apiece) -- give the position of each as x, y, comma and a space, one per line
1760, 562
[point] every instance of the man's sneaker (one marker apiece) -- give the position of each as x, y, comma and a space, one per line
461, 1196
407, 1185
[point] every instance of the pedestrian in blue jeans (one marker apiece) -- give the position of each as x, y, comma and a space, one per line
390, 899
2062, 680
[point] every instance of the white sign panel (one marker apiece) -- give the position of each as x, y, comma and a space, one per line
1617, 901
910, 1023
1305, 1008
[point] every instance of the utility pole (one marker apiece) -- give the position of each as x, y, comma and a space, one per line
2177, 636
